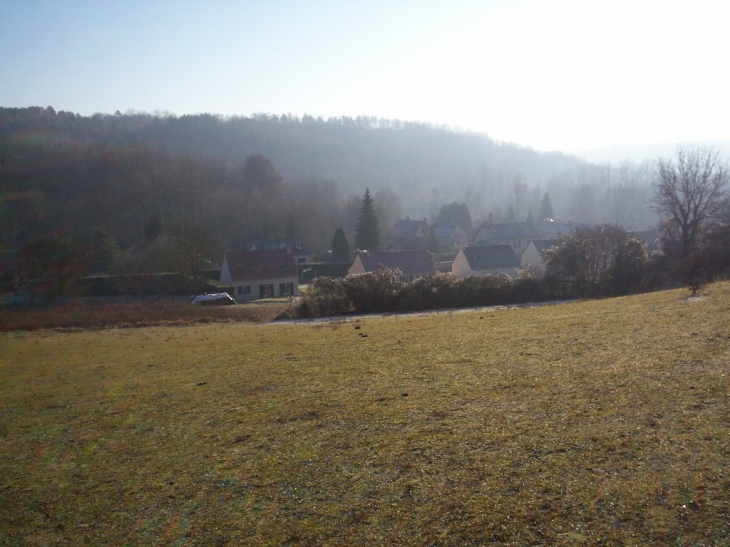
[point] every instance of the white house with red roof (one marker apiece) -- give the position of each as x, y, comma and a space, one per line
260, 274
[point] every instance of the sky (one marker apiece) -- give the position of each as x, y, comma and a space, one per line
565, 75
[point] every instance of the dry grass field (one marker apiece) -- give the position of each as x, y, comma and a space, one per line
82, 314
593, 423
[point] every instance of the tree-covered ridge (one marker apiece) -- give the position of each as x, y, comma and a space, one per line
160, 185
355, 152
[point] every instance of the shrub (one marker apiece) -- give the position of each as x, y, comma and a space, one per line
377, 291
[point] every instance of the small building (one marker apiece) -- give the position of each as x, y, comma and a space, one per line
299, 249
260, 274
485, 260
415, 229
556, 230
450, 236
534, 256
412, 264
410, 234
515, 234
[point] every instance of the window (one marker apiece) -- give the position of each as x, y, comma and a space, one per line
301, 260
286, 289
266, 291
283, 268
243, 289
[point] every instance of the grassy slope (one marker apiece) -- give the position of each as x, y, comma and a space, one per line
604, 420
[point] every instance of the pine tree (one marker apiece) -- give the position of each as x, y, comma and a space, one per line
367, 236
340, 246
546, 208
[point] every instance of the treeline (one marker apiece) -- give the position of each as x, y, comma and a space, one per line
422, 165
132, 209
140, 193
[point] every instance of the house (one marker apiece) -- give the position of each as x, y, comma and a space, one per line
299, 249
451, 236
410, 234
412, 264
534, 255
260, 274
411, 229
515, 234
485, 260
555, 230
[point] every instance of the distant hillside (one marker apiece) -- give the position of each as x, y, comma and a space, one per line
125, 173
413, 159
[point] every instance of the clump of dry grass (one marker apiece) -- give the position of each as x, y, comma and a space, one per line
85, 314
602, 422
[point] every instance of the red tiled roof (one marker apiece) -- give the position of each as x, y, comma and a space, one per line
244, 265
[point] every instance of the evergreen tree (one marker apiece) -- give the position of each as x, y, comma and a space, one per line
367, 235
455, 214
546, 208
340, 246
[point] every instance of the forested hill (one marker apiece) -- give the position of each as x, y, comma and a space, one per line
410, 158
135, 176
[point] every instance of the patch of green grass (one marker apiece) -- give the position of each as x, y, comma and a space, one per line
602, 422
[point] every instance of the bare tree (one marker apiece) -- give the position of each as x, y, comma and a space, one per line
518, 195
689, 192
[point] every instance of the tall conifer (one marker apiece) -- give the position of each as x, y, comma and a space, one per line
367, 235
340, 246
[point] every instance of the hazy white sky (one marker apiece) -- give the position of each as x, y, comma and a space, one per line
551, 74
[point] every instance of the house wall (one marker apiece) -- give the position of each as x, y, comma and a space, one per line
250, 289
461, 267
357, 267
225, 272
531, 258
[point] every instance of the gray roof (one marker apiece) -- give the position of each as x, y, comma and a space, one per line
408, 262
443, 230
508, 230
409, 227
490, 257
559, 228
298, 246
